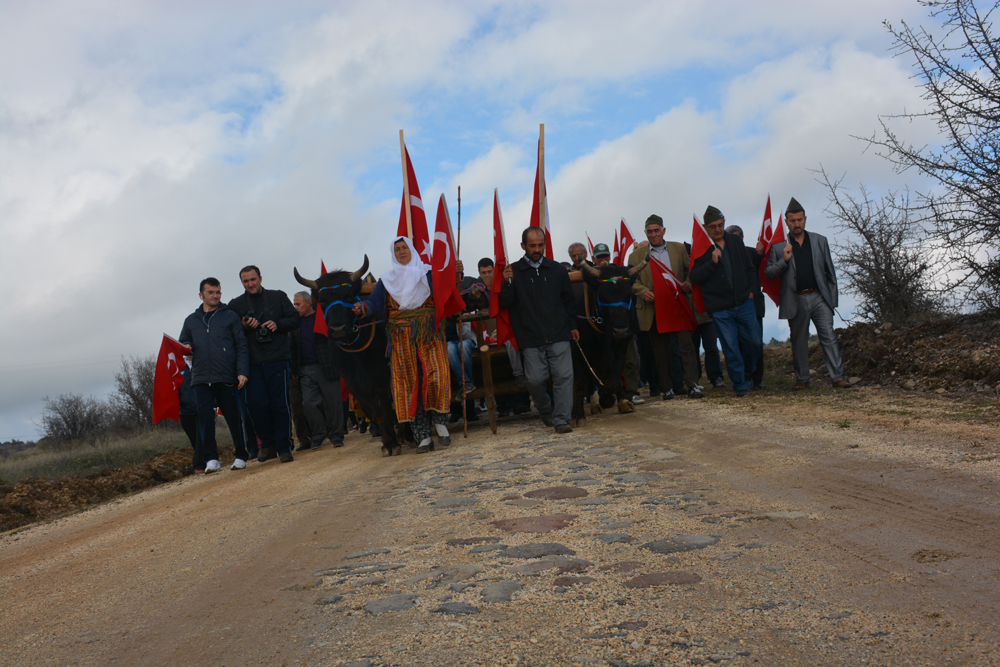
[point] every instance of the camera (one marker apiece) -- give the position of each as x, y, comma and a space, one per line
263, 335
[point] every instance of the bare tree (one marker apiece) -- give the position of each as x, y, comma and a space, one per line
960, 74
882, 256
69, 419
132, 401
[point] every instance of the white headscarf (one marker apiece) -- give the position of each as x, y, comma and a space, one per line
407, 283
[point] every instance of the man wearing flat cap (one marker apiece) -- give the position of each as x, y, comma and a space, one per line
808, 293
726, 277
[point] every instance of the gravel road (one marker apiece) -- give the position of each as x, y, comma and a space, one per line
811, 530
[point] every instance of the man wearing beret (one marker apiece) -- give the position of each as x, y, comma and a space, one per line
808, 292
725, 275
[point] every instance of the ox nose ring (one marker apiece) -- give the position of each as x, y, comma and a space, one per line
355, 328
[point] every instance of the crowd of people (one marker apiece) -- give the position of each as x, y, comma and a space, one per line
260, 361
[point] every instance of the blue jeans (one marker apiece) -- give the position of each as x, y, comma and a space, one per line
454, 358
270, 405
226, 397
738, 327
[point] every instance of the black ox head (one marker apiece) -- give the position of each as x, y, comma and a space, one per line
613, 285
336, 293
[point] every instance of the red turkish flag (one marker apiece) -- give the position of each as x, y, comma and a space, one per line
627, 242
591, 244
700, 244
673, 311
772, 287
319, 325
538, 211
447, 298
167, 379
616, 252
765, 227
500, 260
421, 240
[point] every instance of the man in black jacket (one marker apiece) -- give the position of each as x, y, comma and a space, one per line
726, 275
219, 369
537, 291
756, 257
312, 364
268, 317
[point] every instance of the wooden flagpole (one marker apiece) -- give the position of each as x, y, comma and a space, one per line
541, 176
406, 187
461, 346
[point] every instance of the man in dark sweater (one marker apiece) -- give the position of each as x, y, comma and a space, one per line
537, 291
726, 276
756, 257
219, 369
312, 364
268, 317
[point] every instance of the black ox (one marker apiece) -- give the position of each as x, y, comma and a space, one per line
605, 333
358, 348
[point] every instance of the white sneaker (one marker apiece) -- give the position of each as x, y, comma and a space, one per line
239, 464
638, 400
212, 466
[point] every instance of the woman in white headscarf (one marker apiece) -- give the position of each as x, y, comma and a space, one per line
421, 381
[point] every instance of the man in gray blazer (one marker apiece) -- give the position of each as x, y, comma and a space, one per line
808, 292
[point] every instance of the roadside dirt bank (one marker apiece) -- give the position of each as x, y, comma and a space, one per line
830, 529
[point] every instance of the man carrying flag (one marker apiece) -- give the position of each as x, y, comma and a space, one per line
658, 308
808, 292
220, 367
725, 275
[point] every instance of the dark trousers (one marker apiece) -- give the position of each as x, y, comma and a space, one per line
322, 404
707, 336
662, 344
226, 397
758, 372
647, 365
270, 411
298, 412
190, 425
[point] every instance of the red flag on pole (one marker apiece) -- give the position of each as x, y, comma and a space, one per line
447, 298
420, 237
700, 244
616, 252
628, 241
772, 287
540, 210
765, 227
591, 244
673, 311
322, 267
500, 260
167, 379
319, 325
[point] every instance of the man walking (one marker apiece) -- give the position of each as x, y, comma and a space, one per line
313, 365
537, 291
219, 369
268, 317
725, 275
674, 256
808, 292
755, 256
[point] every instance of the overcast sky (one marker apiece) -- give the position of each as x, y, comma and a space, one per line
145, 146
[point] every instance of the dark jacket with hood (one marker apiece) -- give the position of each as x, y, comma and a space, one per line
218, 346
274, 305
541, 302
719, 290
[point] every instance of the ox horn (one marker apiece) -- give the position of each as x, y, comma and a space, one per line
360, 273
638, 267
311, 284
592, 270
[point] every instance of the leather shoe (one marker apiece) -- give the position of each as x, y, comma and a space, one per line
800, 386
841, 384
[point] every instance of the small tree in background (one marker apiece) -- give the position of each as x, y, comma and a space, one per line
960, 74
883, 257
132, 400
69, 419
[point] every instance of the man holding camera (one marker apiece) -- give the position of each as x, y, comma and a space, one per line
268, 316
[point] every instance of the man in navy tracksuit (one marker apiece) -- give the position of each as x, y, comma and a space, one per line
220, 368
268, 316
